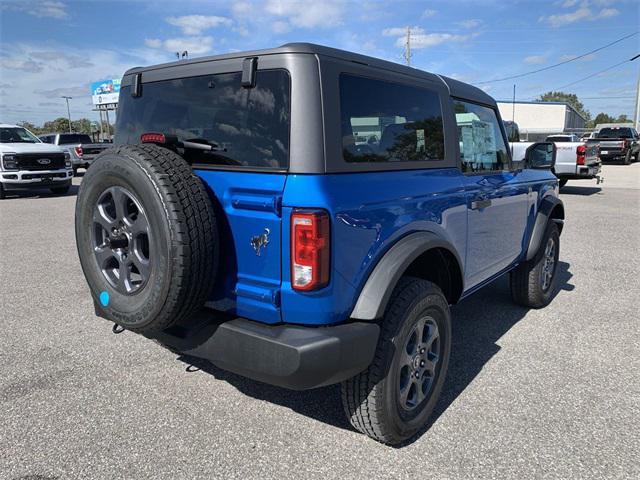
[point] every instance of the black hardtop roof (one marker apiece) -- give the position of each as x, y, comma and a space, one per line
456, 88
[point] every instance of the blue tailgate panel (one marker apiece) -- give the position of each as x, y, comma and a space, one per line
248, 284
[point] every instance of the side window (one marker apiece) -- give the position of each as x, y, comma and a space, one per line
46, 139
482, 146
389, 122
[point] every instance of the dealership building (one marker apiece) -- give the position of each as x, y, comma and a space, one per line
536, 120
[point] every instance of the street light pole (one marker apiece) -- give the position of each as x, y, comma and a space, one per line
68, 111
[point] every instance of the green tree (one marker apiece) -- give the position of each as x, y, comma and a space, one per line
58, 125
570, 98
601, 118
31, 127
82, 125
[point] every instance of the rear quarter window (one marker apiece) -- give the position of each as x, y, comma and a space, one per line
249, 127
383, 121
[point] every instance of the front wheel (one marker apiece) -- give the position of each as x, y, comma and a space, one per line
627, 158
533, 283
393, 399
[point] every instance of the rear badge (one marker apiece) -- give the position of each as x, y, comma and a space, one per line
260, 241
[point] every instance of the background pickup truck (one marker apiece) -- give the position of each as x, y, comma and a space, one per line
617, 143
575, 160
80, 147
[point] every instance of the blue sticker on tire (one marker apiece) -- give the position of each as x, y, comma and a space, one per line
104, 298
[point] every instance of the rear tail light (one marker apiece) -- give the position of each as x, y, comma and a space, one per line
310, 242
78, 151
581, 153
153, 138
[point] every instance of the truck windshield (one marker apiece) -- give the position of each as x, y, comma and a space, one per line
17, 135
615, 133
68, 138
248, 127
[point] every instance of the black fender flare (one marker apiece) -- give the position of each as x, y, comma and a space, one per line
375, 295
549, 203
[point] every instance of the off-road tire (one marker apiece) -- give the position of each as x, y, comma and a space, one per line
183, 239
61, 190
370, 398
627, 158
527, 278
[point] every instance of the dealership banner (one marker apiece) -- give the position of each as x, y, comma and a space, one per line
105, 91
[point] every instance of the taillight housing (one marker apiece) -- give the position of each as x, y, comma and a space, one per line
78, 150
310, 254
581, 153
153, 138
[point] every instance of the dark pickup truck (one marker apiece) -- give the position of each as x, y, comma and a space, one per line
79, 145
617, 143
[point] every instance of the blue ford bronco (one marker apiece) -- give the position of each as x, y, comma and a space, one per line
305, 216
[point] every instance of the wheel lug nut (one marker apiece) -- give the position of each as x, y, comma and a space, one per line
422, 350
422, 363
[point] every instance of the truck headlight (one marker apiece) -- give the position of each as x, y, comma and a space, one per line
67, 159
9, 161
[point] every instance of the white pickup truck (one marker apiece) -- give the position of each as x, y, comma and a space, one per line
575, 160
27, 163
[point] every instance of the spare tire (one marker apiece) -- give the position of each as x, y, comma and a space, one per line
146, 236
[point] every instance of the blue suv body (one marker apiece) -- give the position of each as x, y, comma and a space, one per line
344, 190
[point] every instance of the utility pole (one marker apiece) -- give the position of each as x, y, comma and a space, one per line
68, 111
407, 47
636, 116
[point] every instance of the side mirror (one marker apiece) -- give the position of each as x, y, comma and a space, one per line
541, 155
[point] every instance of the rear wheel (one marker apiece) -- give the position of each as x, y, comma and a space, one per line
146, 236
393, 399
533, 283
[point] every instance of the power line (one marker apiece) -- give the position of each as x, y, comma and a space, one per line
558, 64
599, 72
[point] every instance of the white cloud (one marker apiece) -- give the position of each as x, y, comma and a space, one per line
153, 42
583, 13
49, 76
472, 23
194, 45
608, 12
428, 13
307, 14
535, 59
48, 8
421, 39
569, 3
280, 27
399, 31
586, 58
196, 24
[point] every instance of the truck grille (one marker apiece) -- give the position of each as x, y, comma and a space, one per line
36, 161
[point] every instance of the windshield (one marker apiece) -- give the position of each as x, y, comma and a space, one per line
67, 138
615, 133
560, 139
246, 127
17, 135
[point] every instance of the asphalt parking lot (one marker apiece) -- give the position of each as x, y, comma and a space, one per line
552, 393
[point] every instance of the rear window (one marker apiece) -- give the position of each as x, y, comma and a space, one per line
615, 133
248, 127
67, 138
389, 122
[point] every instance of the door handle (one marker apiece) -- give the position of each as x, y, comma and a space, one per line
479, 204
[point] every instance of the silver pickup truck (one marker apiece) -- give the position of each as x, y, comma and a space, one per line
79, 145
575, 160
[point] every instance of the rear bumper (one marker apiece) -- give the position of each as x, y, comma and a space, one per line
289, 356
582, 172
